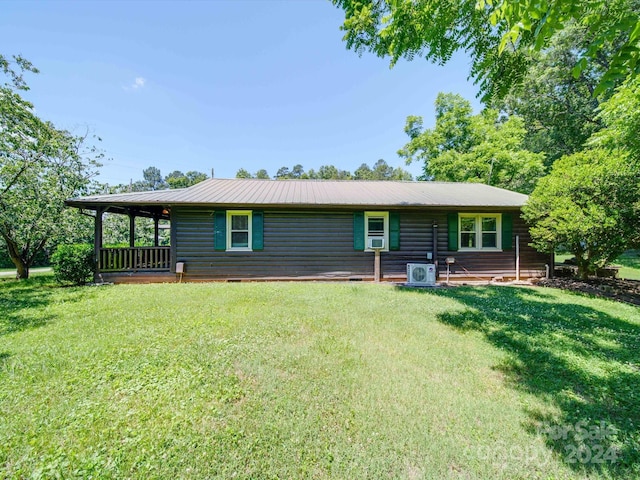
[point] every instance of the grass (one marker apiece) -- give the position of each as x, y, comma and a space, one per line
313, 380
628, 264
34, 271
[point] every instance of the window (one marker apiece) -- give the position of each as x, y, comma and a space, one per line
238, 230
376, 226
480, 231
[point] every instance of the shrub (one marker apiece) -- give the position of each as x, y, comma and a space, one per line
73, 263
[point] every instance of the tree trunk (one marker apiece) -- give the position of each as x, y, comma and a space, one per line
22, 267
584, 267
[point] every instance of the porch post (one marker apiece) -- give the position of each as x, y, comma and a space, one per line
435, 246
97, 236
132, 229
155, 231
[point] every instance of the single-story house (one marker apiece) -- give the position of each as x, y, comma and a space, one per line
247, 229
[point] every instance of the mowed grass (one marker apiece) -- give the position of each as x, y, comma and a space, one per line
315, 380
628, 264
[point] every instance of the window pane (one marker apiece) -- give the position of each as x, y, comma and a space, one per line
239, 222
489, 240
489, 224
376, 226
467, 224
239, 239
468, 240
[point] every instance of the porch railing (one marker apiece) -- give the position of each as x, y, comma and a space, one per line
134, 259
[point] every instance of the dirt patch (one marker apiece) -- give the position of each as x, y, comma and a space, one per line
627, 291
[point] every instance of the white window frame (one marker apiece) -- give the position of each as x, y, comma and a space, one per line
230, 215
385, 216
478, 223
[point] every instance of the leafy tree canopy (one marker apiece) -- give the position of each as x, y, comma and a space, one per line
380, 171
472, 148
177, 179
559, 109
40, 167
590, 205
621, 115
497, 35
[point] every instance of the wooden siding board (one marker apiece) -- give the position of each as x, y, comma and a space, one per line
312, 243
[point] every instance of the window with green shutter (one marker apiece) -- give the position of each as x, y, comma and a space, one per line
238, 230
358, 231
220, 230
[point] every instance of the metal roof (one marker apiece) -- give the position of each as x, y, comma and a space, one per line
314, 193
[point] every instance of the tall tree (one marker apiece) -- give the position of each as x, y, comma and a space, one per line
472, 148
498, 36
40, 166
242, 173
262, 174
559, 109
177, 179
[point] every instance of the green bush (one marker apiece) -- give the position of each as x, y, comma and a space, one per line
73, 263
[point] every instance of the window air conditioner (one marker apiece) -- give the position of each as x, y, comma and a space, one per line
376, 243
421, 274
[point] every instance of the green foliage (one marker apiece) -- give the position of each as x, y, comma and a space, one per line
558, 109
40, 167
299, 380
498, 36
381, 171
73, 263
472, 148
177, 179
588, 205
621, 115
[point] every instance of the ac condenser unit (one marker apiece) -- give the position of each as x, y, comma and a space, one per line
421, 274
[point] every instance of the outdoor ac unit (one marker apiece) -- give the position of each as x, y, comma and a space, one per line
421, 274
376, 243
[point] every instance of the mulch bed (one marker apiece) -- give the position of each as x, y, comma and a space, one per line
627, 291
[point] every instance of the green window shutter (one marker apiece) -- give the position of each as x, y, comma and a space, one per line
394, 231
220, 230
257, 231
507, 231
358, 231
452, 220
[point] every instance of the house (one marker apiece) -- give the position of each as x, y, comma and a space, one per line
243, 229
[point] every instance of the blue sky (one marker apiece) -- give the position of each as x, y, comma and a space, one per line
220, 84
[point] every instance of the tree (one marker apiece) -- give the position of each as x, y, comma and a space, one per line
590, 205
177, 179
559, 110
32, 212
153, 179
262, 174
498, 36
330, 172
282, 173
472, 148
621, 115
242, 173
40, 166
297, 171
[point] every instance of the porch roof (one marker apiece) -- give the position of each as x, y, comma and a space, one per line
310, 193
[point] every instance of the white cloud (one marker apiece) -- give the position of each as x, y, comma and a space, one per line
138, 83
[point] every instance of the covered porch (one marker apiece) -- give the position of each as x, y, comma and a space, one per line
155, 258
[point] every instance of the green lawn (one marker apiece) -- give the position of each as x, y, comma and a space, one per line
315, 380
628, 264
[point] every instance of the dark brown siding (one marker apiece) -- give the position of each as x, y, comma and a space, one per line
320, 244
